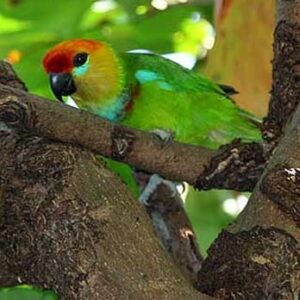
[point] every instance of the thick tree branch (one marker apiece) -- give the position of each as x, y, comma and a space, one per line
264, 240
236, 166
69, 224
66, 224
175, 161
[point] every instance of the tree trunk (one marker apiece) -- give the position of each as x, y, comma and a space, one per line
258, 257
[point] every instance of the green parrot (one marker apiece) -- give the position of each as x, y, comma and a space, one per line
147, 92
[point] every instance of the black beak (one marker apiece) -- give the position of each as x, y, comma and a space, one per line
62, 84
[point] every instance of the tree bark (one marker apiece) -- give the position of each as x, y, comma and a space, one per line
258, 257
166, 210
69, 224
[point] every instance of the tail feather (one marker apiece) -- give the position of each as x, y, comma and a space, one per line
229, 90
251, 118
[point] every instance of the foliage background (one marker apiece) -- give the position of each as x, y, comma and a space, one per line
28, 28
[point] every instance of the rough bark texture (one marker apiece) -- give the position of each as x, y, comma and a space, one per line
254, 264
258, 257
69, 224
166, 210
286, 75
236, 166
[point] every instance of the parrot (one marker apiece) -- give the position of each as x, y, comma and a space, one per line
148, 92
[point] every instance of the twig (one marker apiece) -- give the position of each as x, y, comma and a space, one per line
166, 210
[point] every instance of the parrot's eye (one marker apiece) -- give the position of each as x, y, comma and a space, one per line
79, 59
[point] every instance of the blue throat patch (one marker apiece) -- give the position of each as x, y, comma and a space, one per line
116, 110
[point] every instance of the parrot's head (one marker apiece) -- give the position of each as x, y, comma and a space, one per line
88, 70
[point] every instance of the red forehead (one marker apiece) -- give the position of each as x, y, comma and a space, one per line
60, 58
57, 62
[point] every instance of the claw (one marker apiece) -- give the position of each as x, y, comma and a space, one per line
164, 135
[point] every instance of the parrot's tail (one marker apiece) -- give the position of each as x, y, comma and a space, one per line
228, 90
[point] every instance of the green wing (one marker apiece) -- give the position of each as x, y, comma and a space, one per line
144, 68
170, 97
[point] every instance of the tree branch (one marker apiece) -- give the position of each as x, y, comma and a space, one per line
200, 167
166, 210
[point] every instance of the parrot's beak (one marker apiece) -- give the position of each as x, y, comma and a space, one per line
62, 84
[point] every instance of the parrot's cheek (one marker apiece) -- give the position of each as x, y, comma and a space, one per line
62, 84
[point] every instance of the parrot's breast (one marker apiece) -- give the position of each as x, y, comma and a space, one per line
113, 110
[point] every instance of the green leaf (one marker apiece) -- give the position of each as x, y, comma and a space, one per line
26, 292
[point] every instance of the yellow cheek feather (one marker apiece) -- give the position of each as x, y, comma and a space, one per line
102, 82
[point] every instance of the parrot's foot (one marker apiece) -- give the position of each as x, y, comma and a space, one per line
181, 187
154, 181
164, 135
